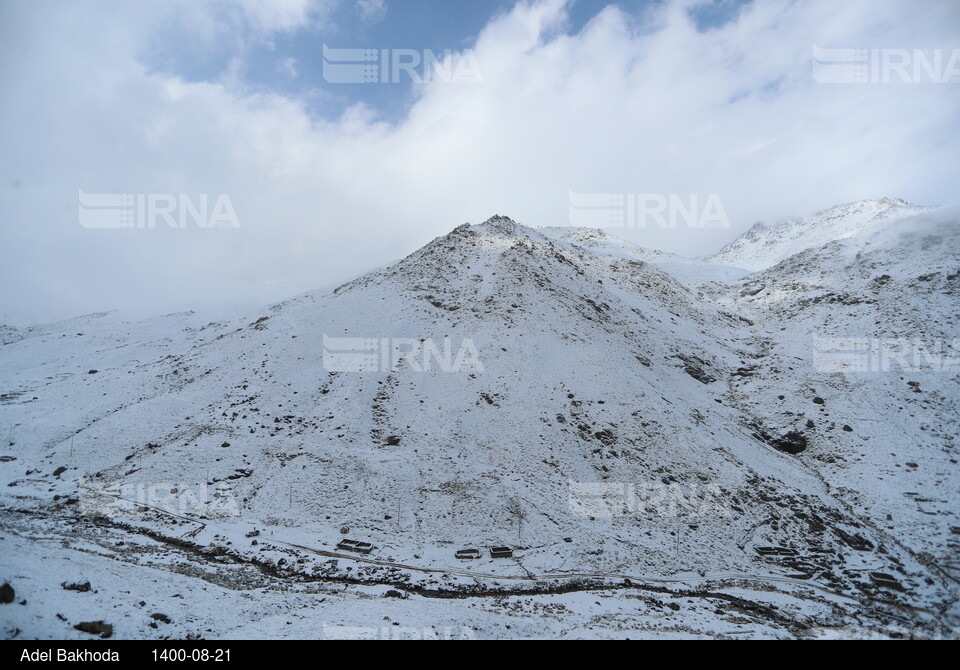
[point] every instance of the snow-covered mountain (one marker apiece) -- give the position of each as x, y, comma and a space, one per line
689, 271
764, 245
655, 439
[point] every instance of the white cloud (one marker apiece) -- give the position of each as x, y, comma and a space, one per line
279, 15
372, 11
622, 107
287, 66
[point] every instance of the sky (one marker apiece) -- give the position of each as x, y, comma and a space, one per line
521, 109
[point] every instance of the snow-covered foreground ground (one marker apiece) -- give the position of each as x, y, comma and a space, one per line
666, 446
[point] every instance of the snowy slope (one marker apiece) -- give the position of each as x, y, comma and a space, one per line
598, 366
765, 245
885, 435
689, 271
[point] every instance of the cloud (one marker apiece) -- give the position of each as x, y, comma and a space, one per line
287, 66
269, 16
647, 104
372, 11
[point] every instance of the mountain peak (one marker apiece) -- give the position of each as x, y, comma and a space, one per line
866, 205
766, 244
503, 225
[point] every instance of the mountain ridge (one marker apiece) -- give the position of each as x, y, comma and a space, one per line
766, 244
600, 372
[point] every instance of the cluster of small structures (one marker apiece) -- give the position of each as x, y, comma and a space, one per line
495, 552
359, 547
355, 546
776, 551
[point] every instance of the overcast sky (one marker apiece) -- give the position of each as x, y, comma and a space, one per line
328, 180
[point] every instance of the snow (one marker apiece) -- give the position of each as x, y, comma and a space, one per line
602, 364
765, 245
